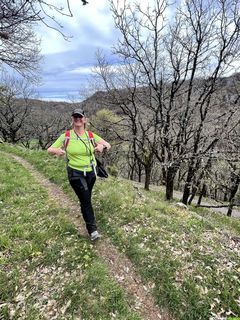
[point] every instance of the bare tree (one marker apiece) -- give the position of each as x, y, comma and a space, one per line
22, 121
177, 65
14, 108
44, 127
105, 123
18, 42
211, 42
232, 160
136, 121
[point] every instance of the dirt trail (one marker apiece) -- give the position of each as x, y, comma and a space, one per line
120, 267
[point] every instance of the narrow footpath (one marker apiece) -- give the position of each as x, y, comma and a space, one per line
120, 267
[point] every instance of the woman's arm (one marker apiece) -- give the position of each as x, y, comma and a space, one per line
102, 145
56, 151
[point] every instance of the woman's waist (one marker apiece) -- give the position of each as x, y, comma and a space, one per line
81, 168
81, 164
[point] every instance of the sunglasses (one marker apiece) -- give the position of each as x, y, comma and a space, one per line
76, 116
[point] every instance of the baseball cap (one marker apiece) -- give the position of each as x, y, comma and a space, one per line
78, 112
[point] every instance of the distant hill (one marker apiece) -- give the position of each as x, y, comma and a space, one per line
102, 99
91, 105
50, 106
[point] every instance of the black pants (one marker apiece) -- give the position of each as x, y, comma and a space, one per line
82, 185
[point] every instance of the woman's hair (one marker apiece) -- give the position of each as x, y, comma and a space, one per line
86, 124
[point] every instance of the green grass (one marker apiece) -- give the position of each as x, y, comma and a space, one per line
47, 269
191, 264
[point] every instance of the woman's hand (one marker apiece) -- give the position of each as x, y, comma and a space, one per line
60, 152
99, 148
57, 151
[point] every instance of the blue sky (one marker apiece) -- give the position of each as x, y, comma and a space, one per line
66, 65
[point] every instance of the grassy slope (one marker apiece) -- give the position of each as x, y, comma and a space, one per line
47, 270
193, 266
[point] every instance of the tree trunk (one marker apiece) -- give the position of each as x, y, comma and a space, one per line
202, 194
230, 208
225, 198
148, 170
164, 175
232, 195
194, 191
187, 186
139, 172
131, 169
170, 175
197, 184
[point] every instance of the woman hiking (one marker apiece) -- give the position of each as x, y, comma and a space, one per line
79, 146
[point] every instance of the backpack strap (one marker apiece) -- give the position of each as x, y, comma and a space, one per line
91, 137
67, 138
90, 134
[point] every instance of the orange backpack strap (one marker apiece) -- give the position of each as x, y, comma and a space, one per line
91, 137
90, 134
67, 138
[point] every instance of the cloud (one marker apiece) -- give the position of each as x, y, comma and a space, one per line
91, 24
81, 70
67, 65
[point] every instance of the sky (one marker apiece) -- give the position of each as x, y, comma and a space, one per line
66, 65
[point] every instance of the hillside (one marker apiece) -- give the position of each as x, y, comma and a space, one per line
102, 99
188, 259
50, 106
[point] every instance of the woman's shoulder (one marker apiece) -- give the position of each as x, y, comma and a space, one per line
91, 133
94, 135
66, 133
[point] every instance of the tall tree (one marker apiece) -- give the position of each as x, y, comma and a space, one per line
14, 109
18, 43
19, 46
137, 120
178, 61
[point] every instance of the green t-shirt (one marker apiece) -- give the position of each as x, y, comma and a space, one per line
80, 151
